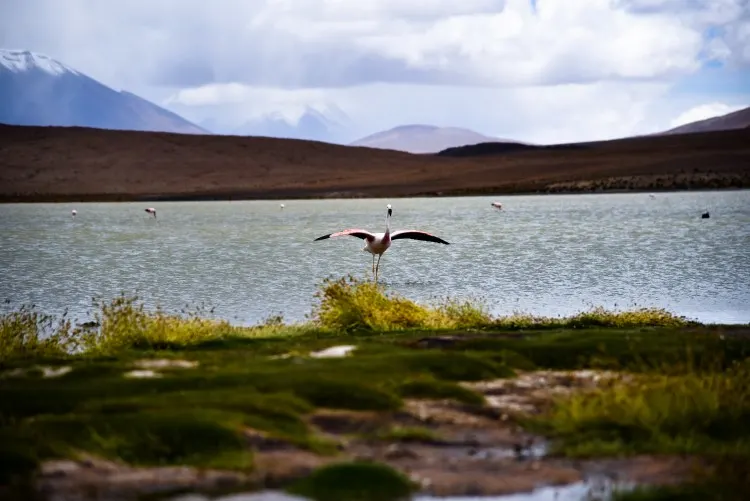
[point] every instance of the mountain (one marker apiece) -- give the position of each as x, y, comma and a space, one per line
38, 90
739, 119
314, 122
423, 138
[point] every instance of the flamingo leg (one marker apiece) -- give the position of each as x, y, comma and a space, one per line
377, 267
373, 264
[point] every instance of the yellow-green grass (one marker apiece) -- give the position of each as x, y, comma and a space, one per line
263, 378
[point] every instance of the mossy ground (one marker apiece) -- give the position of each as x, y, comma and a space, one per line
694, 397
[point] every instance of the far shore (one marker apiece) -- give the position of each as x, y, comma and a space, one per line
75, 164
271, 196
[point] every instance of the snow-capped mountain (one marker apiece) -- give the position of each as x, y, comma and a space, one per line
35, 89
320, 122
424, 138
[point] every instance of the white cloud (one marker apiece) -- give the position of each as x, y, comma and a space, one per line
334, 43
704, 111
544, 114
564, 71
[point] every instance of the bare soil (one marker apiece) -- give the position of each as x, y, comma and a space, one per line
473, 453
79, 164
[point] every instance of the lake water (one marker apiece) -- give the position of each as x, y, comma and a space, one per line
547, 255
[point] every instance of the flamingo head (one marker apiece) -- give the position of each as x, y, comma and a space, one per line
390, 211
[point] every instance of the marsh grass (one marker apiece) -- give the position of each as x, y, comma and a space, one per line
701, 412
27, 333
348, 304
200, 416
355, 481
344, 306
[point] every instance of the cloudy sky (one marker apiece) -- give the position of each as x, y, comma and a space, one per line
535, 70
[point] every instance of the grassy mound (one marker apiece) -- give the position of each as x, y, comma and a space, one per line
700, 412
358, 481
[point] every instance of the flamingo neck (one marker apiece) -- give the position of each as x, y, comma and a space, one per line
387, 225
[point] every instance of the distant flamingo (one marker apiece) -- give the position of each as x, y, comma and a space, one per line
378, 243
73, 213
151, 210
282, 206
497, 205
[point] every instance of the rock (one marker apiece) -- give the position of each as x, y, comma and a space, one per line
399, 451
59, 468
261, 441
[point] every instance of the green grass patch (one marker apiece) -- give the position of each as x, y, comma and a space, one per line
355, 481
704, 413
693, 397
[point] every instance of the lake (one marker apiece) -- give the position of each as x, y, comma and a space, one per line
546, 255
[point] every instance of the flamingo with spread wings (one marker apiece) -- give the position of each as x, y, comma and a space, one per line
377, 243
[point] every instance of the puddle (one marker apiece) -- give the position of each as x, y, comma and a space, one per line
142, 374
592, 490
163, 363
333, 352
580, 491
47, 371
534, 451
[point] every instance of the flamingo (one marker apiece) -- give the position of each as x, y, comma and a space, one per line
497, 205
282, 206
73, 213
151, 210
377, 243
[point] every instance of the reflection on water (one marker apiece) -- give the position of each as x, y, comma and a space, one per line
548, 255
592, 490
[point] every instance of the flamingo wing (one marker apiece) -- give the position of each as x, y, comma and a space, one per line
353, 232
417, 235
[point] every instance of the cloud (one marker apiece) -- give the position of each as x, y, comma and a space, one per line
704, 111
339, 43
550, 72
544, 114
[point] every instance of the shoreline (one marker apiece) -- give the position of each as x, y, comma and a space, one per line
271, 196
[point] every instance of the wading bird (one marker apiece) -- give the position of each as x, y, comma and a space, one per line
377, 243
73, 213
497, 205
151, 210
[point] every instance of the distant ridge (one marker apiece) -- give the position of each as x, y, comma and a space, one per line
419, 138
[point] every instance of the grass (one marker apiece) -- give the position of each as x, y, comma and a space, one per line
704, 413
692, 396
344, 306
357, 481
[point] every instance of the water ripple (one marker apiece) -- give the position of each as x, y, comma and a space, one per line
548, 255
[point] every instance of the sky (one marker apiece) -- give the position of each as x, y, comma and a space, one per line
543, 71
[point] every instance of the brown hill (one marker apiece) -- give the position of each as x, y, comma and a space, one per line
59, 163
